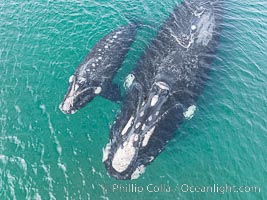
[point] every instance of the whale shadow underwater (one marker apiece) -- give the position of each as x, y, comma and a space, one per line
166, 84
94, 75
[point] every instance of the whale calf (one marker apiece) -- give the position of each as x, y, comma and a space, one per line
163, 87
95, 74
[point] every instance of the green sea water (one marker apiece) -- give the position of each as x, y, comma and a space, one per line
45, 154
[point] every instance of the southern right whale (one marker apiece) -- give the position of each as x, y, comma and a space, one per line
165, 86
95, 74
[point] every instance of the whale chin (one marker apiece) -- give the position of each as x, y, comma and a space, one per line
65, 108
124, 163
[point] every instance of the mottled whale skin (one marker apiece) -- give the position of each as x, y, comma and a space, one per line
95, 74
167, 81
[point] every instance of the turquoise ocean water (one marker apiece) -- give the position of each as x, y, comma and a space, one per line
45, 154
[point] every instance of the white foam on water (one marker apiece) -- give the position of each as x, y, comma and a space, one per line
49, 180
21, 163
14, 140
11, 180
189, 113
62, 166
17, 108
3, 159
138, 171
106, 151
37, 196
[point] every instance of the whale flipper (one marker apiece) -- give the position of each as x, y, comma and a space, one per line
112, 92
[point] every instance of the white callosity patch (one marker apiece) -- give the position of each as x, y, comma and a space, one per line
76, 87
189, 113
162, 85
128, 81
193, 27
66, 105
98, 90
154, 100
83, 69
151, 158
81, 80
147, 136
75, 82
143, 127
138, 124
106, 151
206, 27
71, 79
124, 155
68, 102
128, 125
138, 171
136, 137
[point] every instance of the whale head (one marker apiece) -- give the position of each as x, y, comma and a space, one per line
80, 92
135, 137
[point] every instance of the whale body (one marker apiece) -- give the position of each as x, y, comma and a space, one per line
95, 74
164, 87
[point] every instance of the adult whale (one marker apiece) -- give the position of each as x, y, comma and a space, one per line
95, 74
167, 82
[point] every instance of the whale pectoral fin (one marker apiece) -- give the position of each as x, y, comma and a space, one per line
112, 92
189, 112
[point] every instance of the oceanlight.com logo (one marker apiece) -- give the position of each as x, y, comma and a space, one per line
216, 188
184, 188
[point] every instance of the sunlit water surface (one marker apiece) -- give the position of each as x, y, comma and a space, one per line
45, 154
